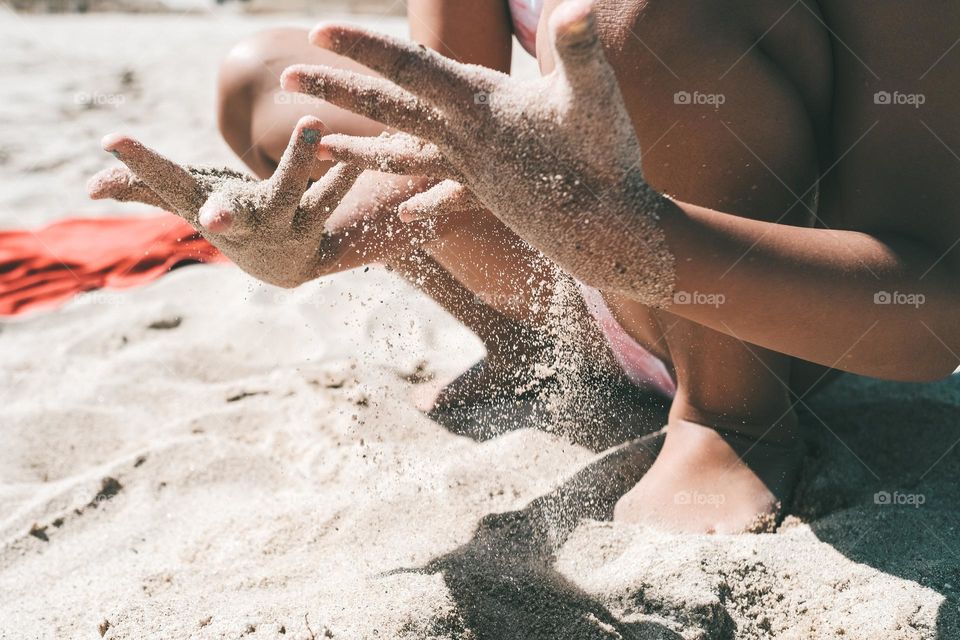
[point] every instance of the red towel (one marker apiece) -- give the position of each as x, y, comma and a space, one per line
45, 268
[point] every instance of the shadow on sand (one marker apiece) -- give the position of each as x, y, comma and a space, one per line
885, 458
503, 579
598, 413
866, 440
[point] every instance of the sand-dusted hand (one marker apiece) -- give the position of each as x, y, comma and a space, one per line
556, 159
272, 229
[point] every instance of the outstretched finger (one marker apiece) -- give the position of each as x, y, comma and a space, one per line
289, 182
422, 71
322, 198
368, 96
445, 198
574, 34
122, 185
390, 153
167, 179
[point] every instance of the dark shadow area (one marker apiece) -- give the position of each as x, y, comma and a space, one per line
889, 464
503, 580
596, 412
874, 451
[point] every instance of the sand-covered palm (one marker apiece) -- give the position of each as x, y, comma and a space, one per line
556, 159
272, 229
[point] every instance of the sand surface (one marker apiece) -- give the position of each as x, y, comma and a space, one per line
210, 457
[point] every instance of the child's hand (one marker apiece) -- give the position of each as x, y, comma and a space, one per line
271, 229
557, 159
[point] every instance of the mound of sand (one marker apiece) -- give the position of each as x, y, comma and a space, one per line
210, 457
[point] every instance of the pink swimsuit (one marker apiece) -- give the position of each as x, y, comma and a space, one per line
642, 367
526, 19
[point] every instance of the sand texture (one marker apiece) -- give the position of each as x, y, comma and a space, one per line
212, 457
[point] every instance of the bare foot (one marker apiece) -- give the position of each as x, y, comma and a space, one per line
705, 482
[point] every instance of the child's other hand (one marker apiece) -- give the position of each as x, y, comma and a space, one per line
271, 229
555, 148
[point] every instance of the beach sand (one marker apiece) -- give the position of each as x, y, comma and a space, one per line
211, 457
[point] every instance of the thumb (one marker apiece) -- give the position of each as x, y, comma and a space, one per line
444, 198
577, 45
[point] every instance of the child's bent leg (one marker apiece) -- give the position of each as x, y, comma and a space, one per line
255, 116
732, 452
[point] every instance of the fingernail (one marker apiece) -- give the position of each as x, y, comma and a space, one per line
289, 81
577, 20
115, 153
323, 153
319, 37
111, 142
578, 27
310, 136
215, 219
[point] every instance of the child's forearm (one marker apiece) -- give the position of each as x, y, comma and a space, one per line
848, 300
365, 228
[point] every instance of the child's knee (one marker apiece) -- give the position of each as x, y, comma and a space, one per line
251, 68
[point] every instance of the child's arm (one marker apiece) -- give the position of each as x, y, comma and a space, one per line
568, 180
819, 294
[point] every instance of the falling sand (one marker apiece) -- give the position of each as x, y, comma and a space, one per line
562, 178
